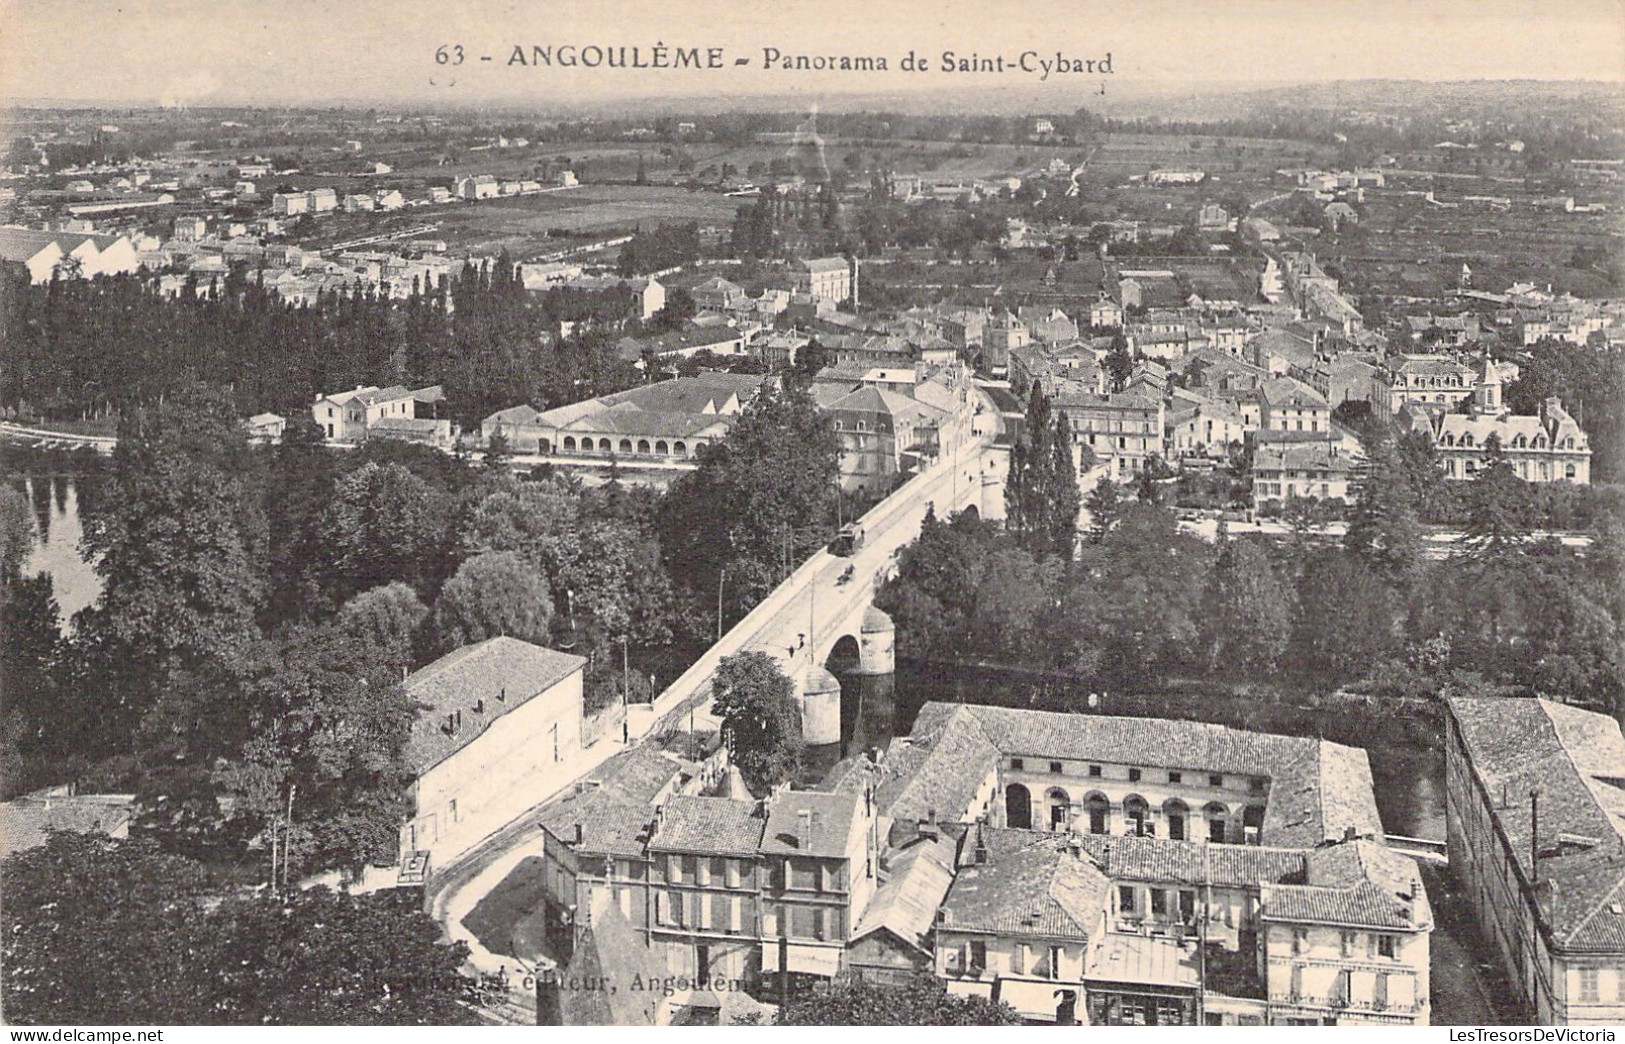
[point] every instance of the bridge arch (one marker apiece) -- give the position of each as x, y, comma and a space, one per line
844, 655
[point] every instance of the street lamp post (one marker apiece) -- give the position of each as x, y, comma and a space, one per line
721, 573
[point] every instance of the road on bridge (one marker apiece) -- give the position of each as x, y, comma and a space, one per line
813, 608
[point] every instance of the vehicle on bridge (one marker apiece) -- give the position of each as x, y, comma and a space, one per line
848, 542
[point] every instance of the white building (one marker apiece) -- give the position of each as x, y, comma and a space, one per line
44, 254
500, 719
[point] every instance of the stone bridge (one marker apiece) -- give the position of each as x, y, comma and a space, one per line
818, 612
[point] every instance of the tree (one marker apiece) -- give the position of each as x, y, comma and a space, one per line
932, 596
535, 519
1104, 506
323, 766
177, 536
1383, 526
756, 703
386, 619
1346, 619
811, 358
923, 1001
1133, 597
299, 488
1014, 615
1303, 516
498, 450
1119, 362
1246, 612
678, 309
30, 651
497, 593
99, 931
1043, 486
385, 524
1501, 506
759, 502
16, 532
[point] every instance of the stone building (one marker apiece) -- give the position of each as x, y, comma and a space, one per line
1535, 806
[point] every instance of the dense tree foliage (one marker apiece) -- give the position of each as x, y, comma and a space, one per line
756, 703
853, 1001
497, 593
481, 335
1146, 602
662, 247
1043, 494
101, 932
760, 502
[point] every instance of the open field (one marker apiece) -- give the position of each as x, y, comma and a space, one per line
1406, 246
1128, 154
520, 223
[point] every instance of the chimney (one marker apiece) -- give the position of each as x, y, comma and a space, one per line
804, 829
578, 833
479, 705
502, 694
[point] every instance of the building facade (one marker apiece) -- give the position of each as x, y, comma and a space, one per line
1535, 818
499, 716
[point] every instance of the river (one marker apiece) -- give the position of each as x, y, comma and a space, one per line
1407, 773
57, 532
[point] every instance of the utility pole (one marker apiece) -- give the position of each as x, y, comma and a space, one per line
1534, 837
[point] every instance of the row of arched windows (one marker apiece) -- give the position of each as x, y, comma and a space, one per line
642, 447
1095, 812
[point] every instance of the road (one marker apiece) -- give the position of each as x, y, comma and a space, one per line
1436, 543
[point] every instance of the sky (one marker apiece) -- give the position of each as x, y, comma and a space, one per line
141, 52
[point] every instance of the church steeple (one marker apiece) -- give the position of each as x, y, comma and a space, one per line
1487, 392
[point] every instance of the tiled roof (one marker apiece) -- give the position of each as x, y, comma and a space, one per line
496, 675
825, 264
514, 415
708, 825
20, 244
938, 768
26, 822
1309, 455
649, 422
1031, 883
1354, 883
832, 819
1284, 391
906, 904
614, 804
615, 958
705, 394
1575, 760
1163, 860
1431, 366
1317, 790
